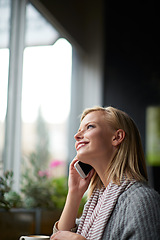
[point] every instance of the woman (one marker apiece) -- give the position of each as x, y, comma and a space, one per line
121, 205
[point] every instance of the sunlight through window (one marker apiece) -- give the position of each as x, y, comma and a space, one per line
46, 82
46, 100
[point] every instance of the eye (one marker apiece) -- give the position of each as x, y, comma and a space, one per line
90, 126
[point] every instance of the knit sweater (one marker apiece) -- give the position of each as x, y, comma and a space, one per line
136, 215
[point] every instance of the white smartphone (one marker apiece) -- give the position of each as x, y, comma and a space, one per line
82, 168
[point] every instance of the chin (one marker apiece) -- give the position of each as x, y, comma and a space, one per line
83, 157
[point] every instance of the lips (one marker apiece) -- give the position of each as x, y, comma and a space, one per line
80, 144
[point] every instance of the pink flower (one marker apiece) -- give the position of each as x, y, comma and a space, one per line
43, 173
55, 163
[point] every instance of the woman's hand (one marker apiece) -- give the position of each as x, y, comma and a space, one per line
76, 183
66, 235
77, 187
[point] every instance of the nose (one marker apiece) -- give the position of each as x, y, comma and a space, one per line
78, 135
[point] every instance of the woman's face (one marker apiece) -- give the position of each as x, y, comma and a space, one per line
94, 139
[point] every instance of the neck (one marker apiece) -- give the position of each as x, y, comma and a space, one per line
101, 171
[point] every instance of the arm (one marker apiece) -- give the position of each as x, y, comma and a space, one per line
77, 187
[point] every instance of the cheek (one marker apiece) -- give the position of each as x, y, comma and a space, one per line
104, 141
99, 140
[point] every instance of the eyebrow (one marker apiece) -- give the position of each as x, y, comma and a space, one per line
87, 124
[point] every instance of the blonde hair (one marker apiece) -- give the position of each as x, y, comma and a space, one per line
129, 159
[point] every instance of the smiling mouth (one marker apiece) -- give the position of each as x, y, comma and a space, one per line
80, 145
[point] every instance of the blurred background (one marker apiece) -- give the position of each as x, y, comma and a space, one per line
57, 58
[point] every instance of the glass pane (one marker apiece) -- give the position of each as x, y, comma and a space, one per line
4, 65
45, 96
38, 30
46, 104
4, 23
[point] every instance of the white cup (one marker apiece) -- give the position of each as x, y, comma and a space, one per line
34, 237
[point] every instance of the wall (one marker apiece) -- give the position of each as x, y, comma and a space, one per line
132, 62
79, 21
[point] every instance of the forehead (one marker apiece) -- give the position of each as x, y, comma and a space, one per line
96, 116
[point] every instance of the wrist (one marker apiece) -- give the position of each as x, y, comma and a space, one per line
56, 228
74, 195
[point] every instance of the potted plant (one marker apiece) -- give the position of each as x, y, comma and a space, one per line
39, 204
8, 198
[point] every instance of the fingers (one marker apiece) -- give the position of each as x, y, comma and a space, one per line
75, 159
55, 235
64, 235
91, 173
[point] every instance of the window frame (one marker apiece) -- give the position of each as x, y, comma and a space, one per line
86, 86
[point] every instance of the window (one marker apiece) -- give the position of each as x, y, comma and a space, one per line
46, 102
45, 93
24, 102
4, 62
39, 72
4, 65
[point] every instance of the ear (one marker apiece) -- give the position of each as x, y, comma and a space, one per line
118, 137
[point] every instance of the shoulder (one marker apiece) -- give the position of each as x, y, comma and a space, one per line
140, 189
140, 200
136, 214
141, 194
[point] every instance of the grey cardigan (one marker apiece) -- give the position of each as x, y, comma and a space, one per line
136, 215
